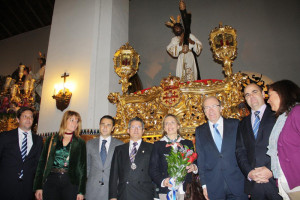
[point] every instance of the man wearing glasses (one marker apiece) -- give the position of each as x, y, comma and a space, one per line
129, 173
219, 173
251, 146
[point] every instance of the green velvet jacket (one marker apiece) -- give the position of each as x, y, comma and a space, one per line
77, 163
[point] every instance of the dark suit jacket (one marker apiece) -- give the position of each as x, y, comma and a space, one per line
251, 153
11, 188
77, 163
128, 184
159, 167
216, 167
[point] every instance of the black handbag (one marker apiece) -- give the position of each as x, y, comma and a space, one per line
194, 190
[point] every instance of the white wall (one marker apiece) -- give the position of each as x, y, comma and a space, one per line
23, 48
82, 43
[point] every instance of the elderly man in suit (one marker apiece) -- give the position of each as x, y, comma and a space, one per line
129, 173
219, 173
99, 155
251, 146
20, 151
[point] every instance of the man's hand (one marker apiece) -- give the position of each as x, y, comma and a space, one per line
260, 175
264, 174
205, 193
113, 199
191, 41
185, 48
181, 5
39, 194
80, 197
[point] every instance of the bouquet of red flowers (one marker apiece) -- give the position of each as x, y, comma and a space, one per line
178, 159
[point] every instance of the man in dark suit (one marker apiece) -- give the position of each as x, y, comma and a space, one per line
219, 173
251, 146
20, 151
129, 177
99, 155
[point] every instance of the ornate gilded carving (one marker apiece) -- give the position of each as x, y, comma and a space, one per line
224, 46
151, 107
182, 99
126, 61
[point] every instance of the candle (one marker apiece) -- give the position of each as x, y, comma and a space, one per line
21, 71
26, 86
31, 85
7, 83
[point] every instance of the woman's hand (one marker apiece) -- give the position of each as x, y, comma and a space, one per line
80, 197
166, 183
191, 168
39, 194
205, 193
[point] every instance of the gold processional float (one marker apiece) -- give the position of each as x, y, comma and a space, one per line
174, 97
15, 93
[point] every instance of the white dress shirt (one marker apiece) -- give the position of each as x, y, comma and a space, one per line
220, 127
261, 109
137, 146
108, 140
29, 139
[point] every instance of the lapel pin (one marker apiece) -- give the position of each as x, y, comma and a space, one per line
143, 151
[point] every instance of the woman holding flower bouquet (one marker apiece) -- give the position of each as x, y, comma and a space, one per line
172, 160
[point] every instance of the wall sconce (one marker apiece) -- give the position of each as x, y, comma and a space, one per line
63, 97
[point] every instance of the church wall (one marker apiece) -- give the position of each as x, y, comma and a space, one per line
84, 36
268, 36
23, 48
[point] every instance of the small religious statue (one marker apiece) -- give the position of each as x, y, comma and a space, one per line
184, 45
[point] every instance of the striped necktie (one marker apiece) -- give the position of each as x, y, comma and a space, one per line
256, 123
217, 137
23, 152
133, 152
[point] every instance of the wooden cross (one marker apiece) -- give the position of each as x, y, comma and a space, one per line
65, 75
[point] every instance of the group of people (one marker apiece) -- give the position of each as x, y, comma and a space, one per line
253, 158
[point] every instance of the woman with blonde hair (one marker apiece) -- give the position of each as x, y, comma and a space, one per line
61, 172
158, 164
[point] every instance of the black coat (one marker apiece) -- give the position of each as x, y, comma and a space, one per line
11, 164
251, 153
126, 183
159, 166
216, 167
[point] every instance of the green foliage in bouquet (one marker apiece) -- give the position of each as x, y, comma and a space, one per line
178, 160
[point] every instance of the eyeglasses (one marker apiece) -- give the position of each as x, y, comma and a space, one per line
134, 127
247, 95
26, 117
211, 107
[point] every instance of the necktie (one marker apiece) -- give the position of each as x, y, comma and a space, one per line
133, 152
217, 137
23, 152
256, 123
103, 152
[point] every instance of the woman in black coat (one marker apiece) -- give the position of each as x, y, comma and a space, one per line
158, 164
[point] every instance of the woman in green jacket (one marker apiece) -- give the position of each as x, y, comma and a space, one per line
61, 172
